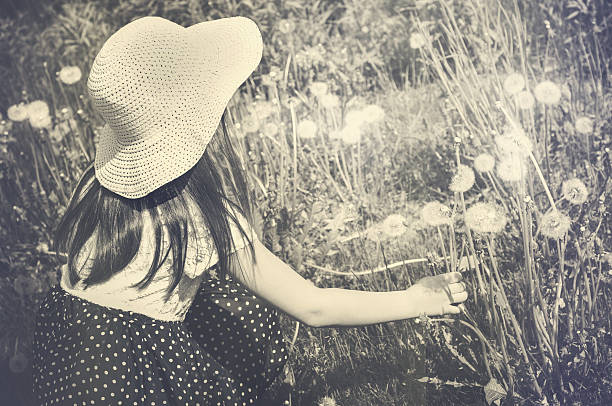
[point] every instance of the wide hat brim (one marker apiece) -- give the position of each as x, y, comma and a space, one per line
166, 135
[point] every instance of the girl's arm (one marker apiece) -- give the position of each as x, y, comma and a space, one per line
273, 280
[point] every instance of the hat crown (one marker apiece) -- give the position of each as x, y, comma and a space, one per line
139, 73
162, 89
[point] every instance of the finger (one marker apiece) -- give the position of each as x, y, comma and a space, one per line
453, 277
459, 297
450, 309
457, 287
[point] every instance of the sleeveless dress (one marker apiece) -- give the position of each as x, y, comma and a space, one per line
212, 343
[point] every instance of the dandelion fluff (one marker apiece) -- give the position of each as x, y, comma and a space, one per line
555, 224
372, 113
463, 179
584, 125
37, 108
351, 134
69, 75
250, 124
307, 129
484, 162
354, 118
17, 112
417, 40
574, 191
327, 401
485, 218
329, 101
436, 214
547, 92
525, 100
394, 225
270, 129
41, 121
514, 83
511, 169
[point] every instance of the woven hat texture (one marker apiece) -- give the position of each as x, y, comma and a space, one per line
162, 89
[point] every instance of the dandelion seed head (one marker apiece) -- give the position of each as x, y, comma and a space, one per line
17, 112
354, 118
484, 162
394, 225
372, 113
514, 83
327, 401
463, 179
547, 92
436, 214
575, 191
525, 100
417, 40
485, 218
351, 134
270, 129
307, 129
329, 101
555, 224
286, 26
584, 125
69, 75
262, 109
511, 169
250, 124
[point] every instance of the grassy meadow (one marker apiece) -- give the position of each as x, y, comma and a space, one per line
384, 141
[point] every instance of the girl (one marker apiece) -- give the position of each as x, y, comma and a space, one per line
163, 210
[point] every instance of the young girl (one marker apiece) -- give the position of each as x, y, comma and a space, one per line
160, 221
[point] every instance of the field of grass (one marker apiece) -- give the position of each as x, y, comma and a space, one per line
384, 141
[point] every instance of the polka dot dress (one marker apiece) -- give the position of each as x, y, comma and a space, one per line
227, 352
248, 342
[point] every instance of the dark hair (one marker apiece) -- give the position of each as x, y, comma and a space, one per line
216, 184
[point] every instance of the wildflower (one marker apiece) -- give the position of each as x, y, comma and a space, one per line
41, 121
394, 225
372, 113
69, 75
354, 117
286, 26
18, 362
436, 214
307, 129
417, 40
485, 218
329, 101
574, 191
514, 141
510, 169
484, 162
547, 92
555, 224
584, 125
270, 129
263, 109
525, 100
514, 83
17, 112
351, 134
327, 401
463, 179
319, 89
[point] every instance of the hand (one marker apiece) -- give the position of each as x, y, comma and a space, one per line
439, 294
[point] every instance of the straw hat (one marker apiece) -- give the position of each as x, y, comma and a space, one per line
162, 89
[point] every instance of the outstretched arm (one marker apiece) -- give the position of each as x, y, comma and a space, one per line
273, 280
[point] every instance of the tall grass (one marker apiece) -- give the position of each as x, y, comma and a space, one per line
383, 142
